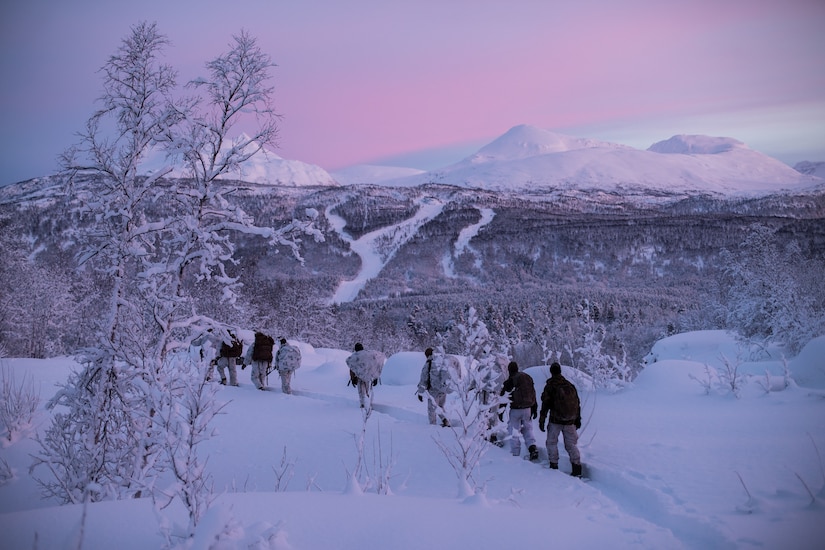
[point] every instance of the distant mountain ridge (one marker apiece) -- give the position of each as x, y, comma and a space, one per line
264, 168
811, 168
530, 159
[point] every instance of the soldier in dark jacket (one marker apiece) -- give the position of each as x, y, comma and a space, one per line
523, 409
561, 400
259, 355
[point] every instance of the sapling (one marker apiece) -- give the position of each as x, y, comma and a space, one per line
18, 403
6, 473
730, 376
283, 473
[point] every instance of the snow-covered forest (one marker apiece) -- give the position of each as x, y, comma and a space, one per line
115, 279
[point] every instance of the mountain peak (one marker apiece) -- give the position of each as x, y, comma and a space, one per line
524, 141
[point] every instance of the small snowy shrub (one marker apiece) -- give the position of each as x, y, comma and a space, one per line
730, 376
18, 403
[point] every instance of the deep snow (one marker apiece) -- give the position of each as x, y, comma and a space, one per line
671, 466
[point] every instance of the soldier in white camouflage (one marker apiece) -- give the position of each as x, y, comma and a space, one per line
287, 361
435, 384
365, 368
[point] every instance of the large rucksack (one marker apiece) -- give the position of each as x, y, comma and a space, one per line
288, 358
262, 349
366, 364
235, 349
565, 403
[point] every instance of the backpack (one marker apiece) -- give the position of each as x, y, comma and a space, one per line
288, 358
565, 403
523, 391
262, 349
367, 364
235, 349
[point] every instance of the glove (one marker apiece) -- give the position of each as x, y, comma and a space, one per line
420, 398
375, 382
534, 412
243, 366
578, 423
541, 426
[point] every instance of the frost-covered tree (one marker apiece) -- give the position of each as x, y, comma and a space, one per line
157, 240
773, 293
187, 415
198, 242
102, 447
606, 370
35, 299
475, 405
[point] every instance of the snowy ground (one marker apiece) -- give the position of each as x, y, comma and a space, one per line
671, 466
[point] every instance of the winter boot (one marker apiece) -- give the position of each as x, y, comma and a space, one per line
554, 465
534, 453
445, 423
577, 470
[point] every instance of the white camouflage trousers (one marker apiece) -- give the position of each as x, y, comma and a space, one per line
259, 374
435, 403
520, 422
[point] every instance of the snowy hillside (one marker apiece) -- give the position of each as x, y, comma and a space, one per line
371, 174
527, 158
265, 168
675, 461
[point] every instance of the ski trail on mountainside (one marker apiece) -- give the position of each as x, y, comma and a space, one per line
463, 243
378, 247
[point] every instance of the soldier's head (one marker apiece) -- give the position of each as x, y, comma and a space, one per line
512, 368
358, 347
555, 369
428, 352
283, 341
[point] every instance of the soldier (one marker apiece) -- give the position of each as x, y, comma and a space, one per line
259, 355
364, 370
435, 382
523, 408
287, 360
561, 400
230, 351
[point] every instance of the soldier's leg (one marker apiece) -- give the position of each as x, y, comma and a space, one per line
258, 374
233, 371
440, 401
286, 379
513, 425
571, 438
553, 431
431, 408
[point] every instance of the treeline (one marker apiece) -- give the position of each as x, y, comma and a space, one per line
643, 271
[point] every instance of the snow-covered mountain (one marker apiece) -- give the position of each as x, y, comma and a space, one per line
811, 168
265, 168
527, 158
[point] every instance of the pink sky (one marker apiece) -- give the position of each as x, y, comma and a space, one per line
427, 82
